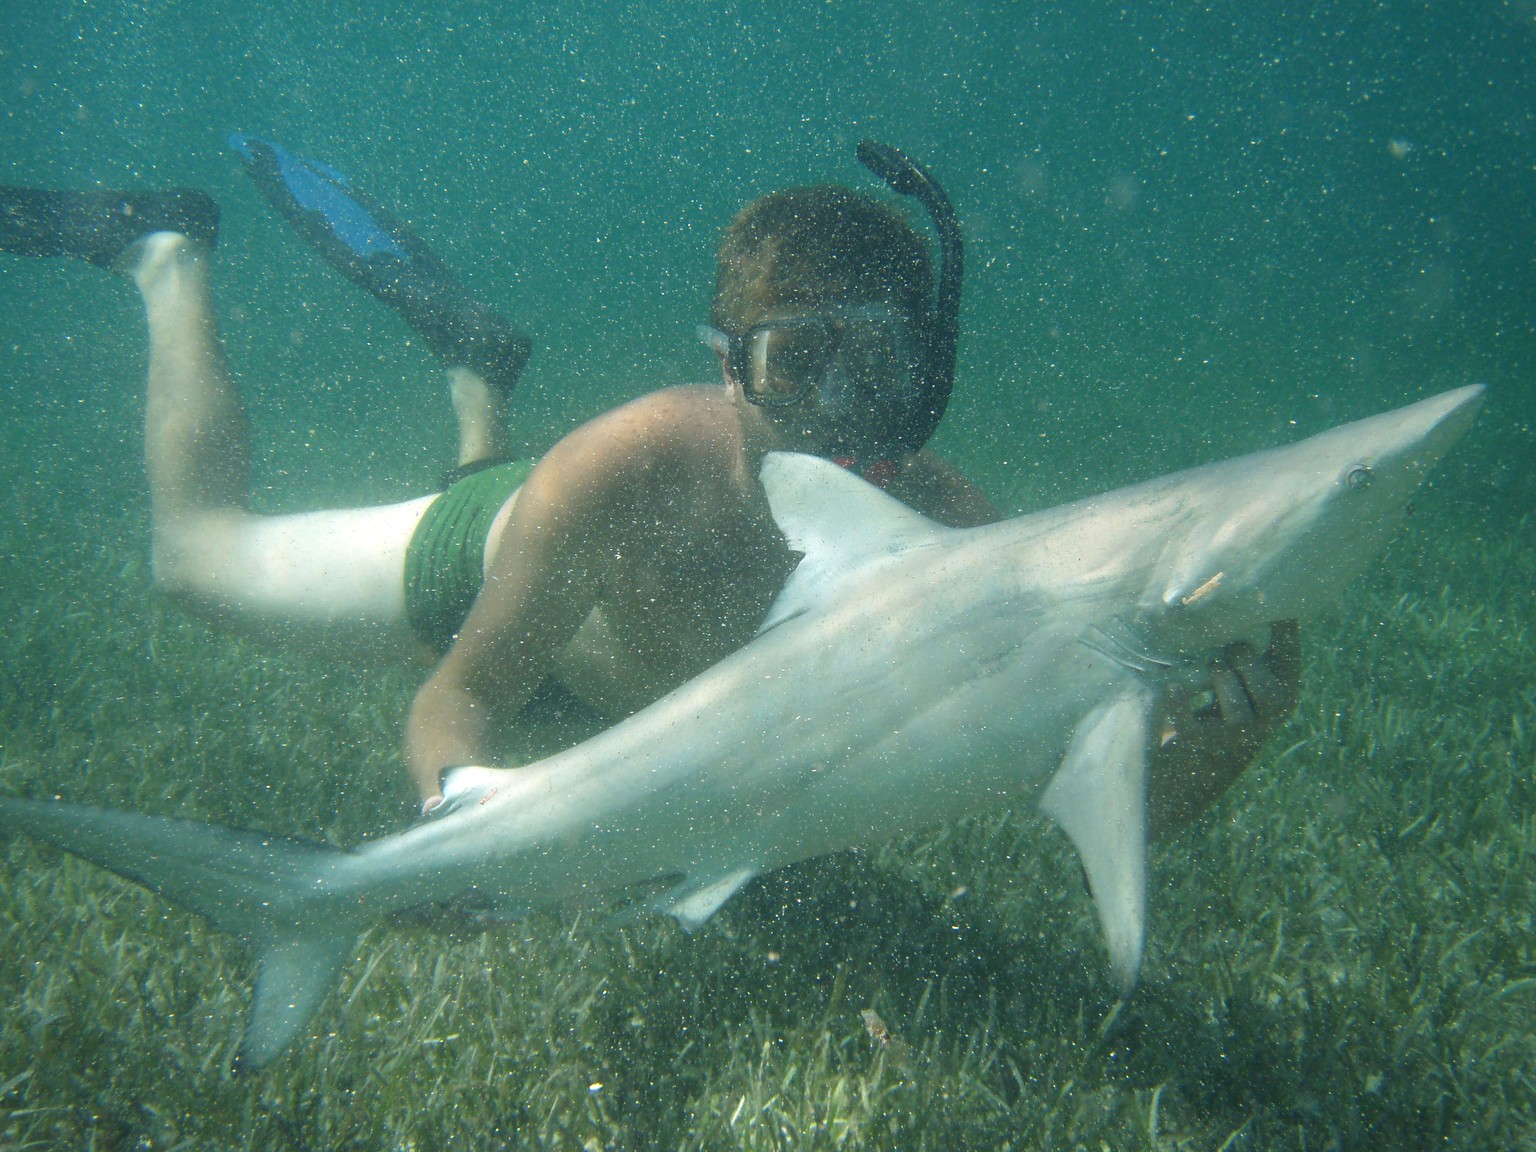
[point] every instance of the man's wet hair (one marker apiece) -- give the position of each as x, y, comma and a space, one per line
806, 247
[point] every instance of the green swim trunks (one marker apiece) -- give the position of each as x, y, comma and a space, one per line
445, 561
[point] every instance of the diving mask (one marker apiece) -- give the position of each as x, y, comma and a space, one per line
846, 358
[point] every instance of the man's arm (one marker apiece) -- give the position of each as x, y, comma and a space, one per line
1208, 740
547, 577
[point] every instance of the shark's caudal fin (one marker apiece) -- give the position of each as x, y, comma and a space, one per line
278, 895
1099, 798
838, 521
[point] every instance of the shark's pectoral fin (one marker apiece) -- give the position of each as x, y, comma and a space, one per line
1099, 798
693, 904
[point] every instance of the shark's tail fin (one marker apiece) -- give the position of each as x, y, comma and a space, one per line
281, 896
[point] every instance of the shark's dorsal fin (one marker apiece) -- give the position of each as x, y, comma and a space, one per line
1099, 798
838, 522
468, 785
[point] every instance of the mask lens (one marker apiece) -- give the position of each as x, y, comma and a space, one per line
880, 357
780, 363
860, 358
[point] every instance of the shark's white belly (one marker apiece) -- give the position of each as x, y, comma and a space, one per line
897, 709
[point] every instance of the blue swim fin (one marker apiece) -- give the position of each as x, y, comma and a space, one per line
362, 239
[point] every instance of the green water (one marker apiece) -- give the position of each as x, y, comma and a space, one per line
1190, 234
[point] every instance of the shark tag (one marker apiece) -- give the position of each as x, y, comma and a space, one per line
467, 786
1098, 797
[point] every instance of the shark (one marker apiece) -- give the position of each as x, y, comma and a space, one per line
907, 674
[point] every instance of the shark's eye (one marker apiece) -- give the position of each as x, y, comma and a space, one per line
1358, 476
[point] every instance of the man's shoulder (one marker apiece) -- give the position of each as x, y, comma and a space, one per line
688, 418
685, 435
683, 403
936, 488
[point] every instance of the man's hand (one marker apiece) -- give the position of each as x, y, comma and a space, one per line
1206, 739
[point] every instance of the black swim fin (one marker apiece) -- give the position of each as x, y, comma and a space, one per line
364, 241
99, 225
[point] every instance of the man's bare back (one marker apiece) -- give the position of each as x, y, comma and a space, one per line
640, 551
686, 556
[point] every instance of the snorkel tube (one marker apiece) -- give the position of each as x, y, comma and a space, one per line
906, 177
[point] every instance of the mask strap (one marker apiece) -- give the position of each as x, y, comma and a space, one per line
717, 341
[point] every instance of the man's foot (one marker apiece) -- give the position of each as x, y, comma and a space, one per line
364, 241
99, 226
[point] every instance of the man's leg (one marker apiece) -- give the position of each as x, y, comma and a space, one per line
342, 566
481, 412
196, 442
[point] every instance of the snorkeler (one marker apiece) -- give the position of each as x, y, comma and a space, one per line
638, 550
